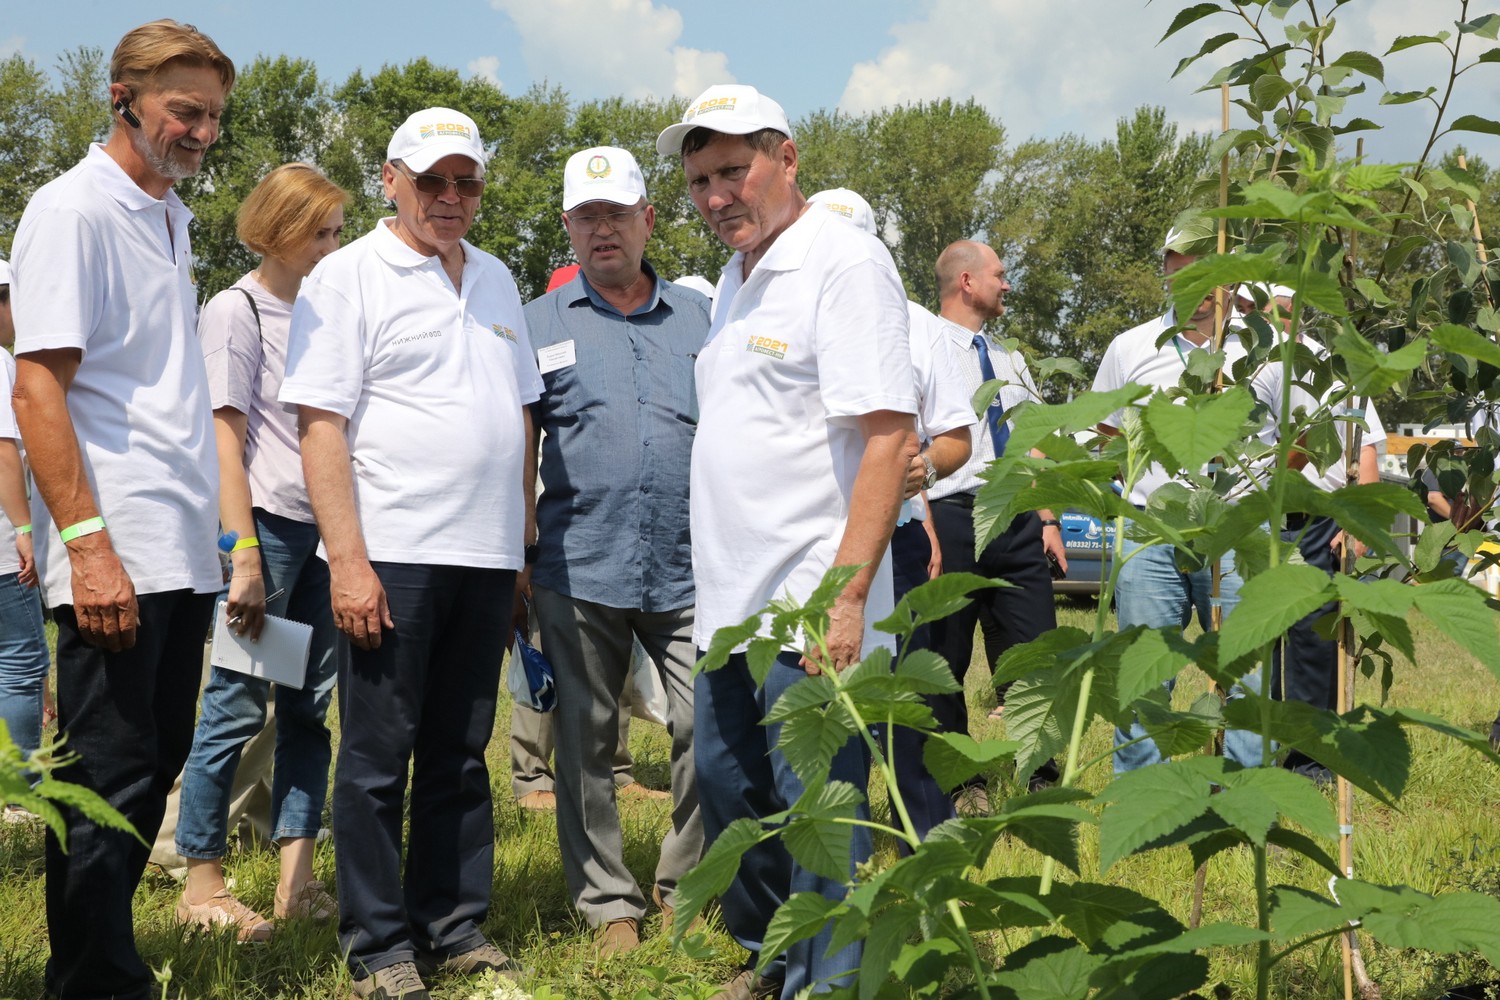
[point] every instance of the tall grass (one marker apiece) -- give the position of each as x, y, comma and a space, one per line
1440, 839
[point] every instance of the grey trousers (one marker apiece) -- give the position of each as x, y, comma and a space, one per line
531, 746
589, 647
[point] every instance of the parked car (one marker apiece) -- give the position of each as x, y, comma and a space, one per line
1088, 544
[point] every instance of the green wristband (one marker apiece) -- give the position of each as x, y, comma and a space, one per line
80, 529
23, 529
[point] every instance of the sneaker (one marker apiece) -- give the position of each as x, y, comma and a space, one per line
636, 790
311, 902
17, 815
485, 958
747, 984
617, 937
394, 982
538, 801
222, 910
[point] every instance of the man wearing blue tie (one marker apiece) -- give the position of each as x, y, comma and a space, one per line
972, 287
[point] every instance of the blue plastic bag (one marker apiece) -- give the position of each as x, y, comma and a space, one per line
531, 680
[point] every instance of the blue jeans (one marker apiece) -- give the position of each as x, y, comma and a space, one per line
740, 774
1155, 593
234, 707
24, 661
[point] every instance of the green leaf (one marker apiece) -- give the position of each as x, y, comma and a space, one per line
1187, 16
802, 916
925, 672
807, 693
1367, 510
1147, 805
810, 739
1362, 62
1201, 429
1270, 604
1434, 539
725, 641
1305, 846
1356, 125
1474, 123
1485, 26
1372, 371
1460, 612
1046, 822
1298, 913
933, 601
1406, 96
1372, 176
818, 844
1089, 909
1399, 917
1367, 746
711, 876
1086, 411
953, 758
1411, 41
1385, 597
1039, 710
1253, 800
1152, 657
1489, 56
1049, 968
1179, 732
1211, 45
1268, 90
1460, 340
887, 938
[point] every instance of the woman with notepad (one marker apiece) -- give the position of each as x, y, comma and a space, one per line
293, 219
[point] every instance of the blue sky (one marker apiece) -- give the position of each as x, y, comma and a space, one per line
1045, 67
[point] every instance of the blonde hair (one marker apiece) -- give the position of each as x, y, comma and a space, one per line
146, 50
286, 209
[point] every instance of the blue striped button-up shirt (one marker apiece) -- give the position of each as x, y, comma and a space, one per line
619, 420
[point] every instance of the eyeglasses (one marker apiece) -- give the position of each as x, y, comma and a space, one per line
436, 184
613, 221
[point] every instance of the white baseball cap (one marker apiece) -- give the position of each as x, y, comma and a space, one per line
731, 108
4, 272
847, 205
602, 173
433, 133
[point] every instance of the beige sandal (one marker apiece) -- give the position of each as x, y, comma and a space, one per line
311, 902
223, 910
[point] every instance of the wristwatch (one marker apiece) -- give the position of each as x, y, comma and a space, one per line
930, 480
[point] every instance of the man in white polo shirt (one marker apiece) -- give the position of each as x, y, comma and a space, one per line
113, 408
411, 368
804, 437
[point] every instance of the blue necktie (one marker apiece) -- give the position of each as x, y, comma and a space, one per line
999, 429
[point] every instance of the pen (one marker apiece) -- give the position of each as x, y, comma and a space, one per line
236, 619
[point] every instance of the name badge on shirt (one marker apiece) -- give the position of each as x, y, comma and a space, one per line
555, 356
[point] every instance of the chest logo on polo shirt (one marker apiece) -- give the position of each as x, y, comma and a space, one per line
768, 346
504, 331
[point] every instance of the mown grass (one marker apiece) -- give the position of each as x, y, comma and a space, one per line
1441, 837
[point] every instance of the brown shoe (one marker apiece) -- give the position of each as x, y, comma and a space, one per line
668, 911
310, 902
538, 801
972, 801
222, 910
395, 982
617, 937
747, 984
636, 790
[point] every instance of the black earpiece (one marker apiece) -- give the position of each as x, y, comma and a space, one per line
123, 107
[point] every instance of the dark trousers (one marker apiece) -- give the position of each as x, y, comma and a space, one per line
425, 698
1304, 666
1007, 616
129, 718
742, 776
926, 802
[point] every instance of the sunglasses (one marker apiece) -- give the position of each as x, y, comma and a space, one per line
435, 184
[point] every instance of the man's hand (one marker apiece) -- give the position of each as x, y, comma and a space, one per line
1339, 540
935, 560
1052, 544
519, 617
916, 475
28, 576
846, 635
359, 607
103, 595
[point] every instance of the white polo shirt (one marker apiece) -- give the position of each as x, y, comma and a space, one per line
815, 338
10, 560
1133, 357
102, 267
1016, 388
432, 383
244, 352
1267, 386
943, 394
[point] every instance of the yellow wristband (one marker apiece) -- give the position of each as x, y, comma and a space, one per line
23, 529
248, 542
80, 529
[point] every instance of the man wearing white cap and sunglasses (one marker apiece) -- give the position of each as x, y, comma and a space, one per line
805, 433
411, 368
615, 347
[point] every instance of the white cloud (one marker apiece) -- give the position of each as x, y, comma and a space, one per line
599, 49
11, 46
1049, 68
486, 68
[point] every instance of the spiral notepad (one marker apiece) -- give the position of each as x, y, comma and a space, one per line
280, 656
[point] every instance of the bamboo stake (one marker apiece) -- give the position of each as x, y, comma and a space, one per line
1215, 612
